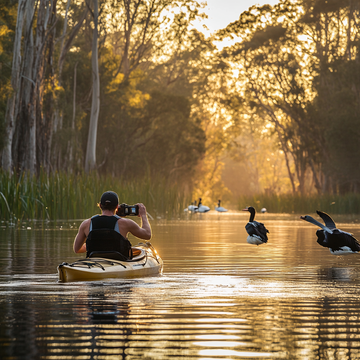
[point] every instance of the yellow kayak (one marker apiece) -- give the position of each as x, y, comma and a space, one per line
145, 261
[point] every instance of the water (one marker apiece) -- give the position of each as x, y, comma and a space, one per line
218, 297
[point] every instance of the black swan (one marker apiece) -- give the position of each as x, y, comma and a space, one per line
202, 208
192, 208
256, 230
339, 242
220, 208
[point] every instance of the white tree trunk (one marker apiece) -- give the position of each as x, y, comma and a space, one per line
37, 74
73, 138
90, 160
7, 164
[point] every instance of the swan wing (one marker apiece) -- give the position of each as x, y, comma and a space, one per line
340, 239
311, 220
257, 229
329, 222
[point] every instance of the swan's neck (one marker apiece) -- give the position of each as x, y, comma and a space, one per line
252, 216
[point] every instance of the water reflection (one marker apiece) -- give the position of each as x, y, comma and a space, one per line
107, 320
218, 298
336, 273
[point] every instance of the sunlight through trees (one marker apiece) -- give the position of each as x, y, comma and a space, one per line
131, 89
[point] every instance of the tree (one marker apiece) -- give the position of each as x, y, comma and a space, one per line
269, 61
334, 111
15, 84
90, 160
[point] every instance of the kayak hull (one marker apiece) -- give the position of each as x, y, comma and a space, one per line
147, 262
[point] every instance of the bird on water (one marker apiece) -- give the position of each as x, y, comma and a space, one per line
257, 232
339, 242
219, 208
202, 208
193, 207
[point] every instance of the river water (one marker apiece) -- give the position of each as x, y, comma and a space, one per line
218, 297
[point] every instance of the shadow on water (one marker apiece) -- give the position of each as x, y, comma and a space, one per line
218, 298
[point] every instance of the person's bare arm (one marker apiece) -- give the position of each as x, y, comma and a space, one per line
80, 239
143, 231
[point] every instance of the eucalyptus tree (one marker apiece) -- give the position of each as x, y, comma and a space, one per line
332, 27
139, 33
273, 78
30, 119
90, 159
297, 64
148, 126
28, 75
11, 28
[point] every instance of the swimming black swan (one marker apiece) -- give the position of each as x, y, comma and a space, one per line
256, 230
220, 208
339, 242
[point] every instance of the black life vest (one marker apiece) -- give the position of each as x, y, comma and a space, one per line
104, 236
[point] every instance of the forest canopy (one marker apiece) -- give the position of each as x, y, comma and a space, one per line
132, 89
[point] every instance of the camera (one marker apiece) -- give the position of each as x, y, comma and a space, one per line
127, 210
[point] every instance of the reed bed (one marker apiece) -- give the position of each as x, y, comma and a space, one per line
298, 204
63, 196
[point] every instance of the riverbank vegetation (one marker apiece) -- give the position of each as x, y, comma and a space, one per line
62, 196
303, 204
132, 90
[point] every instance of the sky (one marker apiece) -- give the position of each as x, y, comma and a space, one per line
223, 12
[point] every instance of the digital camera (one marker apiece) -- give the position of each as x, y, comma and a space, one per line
127, 210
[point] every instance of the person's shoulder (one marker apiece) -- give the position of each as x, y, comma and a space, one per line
86, 222
123, 219
126, 221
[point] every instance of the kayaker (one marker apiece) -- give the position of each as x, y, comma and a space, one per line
108, 232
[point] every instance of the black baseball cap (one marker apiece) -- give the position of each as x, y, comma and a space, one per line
109, 199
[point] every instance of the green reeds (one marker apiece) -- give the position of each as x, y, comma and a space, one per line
300, 204
63, 196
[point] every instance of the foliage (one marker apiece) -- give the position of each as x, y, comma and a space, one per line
294, 62
282, 100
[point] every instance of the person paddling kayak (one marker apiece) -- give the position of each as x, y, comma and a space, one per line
108, 232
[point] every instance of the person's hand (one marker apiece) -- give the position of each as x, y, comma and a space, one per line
142, 209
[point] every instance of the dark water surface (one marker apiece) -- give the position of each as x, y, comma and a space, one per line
218, 297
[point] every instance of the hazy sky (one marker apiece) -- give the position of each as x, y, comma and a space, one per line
223, 12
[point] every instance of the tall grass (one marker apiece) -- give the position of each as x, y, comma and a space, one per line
64, 196
297, 204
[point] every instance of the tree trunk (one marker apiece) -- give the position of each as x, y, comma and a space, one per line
350, 16
315, 177
73, 138
7, 163
21, 135
36, 118
90, 160
65, 47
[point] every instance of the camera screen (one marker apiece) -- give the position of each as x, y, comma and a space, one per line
133, 210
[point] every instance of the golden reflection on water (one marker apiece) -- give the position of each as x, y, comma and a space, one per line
233, 353
218, 298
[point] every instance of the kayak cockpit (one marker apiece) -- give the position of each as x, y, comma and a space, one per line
137, 254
